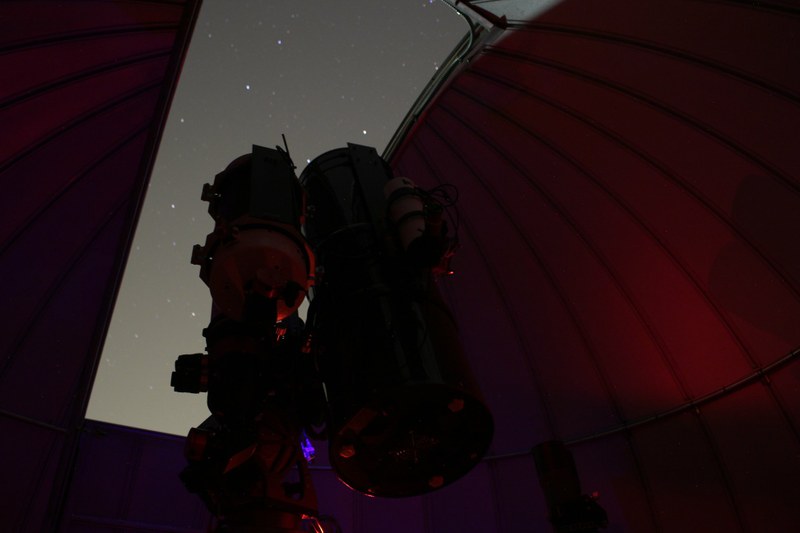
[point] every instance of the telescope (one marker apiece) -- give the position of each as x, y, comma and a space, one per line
376, 369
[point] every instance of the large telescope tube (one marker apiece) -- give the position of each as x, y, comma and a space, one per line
406, 414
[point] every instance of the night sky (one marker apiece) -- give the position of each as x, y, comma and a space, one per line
322, 73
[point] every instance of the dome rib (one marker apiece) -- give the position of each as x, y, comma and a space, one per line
90, 73
656, 48
782, 177
113, 151
84, 34
65, 271
56, 132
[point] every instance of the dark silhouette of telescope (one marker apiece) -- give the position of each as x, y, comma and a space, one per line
376, 369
